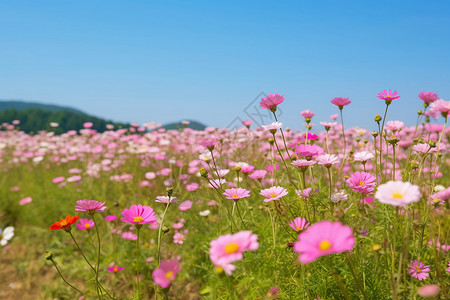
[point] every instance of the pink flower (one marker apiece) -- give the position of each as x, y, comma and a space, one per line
274, 193
303, 164
139, 214
362, 182
247, 123
236, 194
85, 224
209, 143
340, 102
192, 186
299, 224
307, 114
397, 193
428, 97
388, 96
166, 273
421, 148
115, 269
304, 193
110, 218
90, 206
334, 116
229, 248
419, 270
74, 178
441, 106
328, 125
58, 179
25, 200
166, 199
271, 102
363, 156
258, 174
323, 238
339, 196
273, 127
394, 125
129, 236
185, 205
308, 151
428, 291
178, 238
327, 160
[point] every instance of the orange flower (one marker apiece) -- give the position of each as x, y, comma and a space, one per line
64, 223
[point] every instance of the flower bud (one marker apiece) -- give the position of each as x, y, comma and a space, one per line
378, 118
432, 143
48, 255
374, 134
237, 169
169, 191
271, 141
203, 172
420, 112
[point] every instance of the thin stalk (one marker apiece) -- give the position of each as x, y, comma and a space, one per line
287, 169
98, 258
138, 227
353, 270
159, 232
62, 277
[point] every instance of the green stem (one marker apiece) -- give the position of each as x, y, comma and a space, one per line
62, 277
99, 291
159, 232
353, 270
138, 227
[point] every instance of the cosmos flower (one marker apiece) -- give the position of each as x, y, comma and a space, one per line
363, 156
428, 97
274, 193
90, 206
6, 235
323, 238
419, 270
271, 102
229, 248
115, 269
340, 102
299, 224
388, 96
166, 273
138, 214
362, 182
85, 224
327, 160
236, 194
65, 223
398, 193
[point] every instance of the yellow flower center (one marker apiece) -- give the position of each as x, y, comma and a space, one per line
169, 274
418, 270
116, 268
138, 219
376, 247
64, 223
273, 195
87, 225
234, 196
219, 269
397, 196
298, 228
436, 200
361, 182
324, 245
231, 248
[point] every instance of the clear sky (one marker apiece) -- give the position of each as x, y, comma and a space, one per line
207, 60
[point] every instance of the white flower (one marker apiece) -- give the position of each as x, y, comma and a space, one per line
204, 213
338, 197
6, 235
363, 156
54, 124
398, 193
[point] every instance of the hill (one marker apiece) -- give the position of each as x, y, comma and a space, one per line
22, 105
177, 125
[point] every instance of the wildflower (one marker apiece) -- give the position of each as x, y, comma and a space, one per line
209, 143
139, 214
185, 205
441, 106
422, 148
327, 160
271, 102
247, 123
363, 156
192, 186
419, 270
428, 291
115, 269
110, 218
274, 193
307, 114
323, 238
166, 273
65, 223
328, 125
204, 213
334, 116
229, 248
428, 97
362, 182
308, 151
299, 224
388, 96
395, 125
166, 199
398, 193
85, 224
25, 200
304, 193
6, 235
178, 238
129, 236
273, 127
236, 194
58, 179
90, 206
340, 102
338, 197
303, 164
258, 174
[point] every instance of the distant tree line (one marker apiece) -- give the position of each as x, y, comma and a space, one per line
35, 119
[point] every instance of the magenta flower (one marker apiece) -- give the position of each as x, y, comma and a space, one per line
58, 179
90, 206
388, 96
85, 224
236, 194
110, 218
229, 248
304, 193
258, 174
341, 102
428, 97
323, 238
308, 151
419, 270
115, 269
362, 182
138, 214
129, 236
299, 224
271, 102
166, 273
274, 193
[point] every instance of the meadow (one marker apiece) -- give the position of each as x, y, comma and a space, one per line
326, 212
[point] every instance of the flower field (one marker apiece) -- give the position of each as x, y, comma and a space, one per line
260, 212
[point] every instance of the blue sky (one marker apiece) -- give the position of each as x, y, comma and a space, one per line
208, 60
